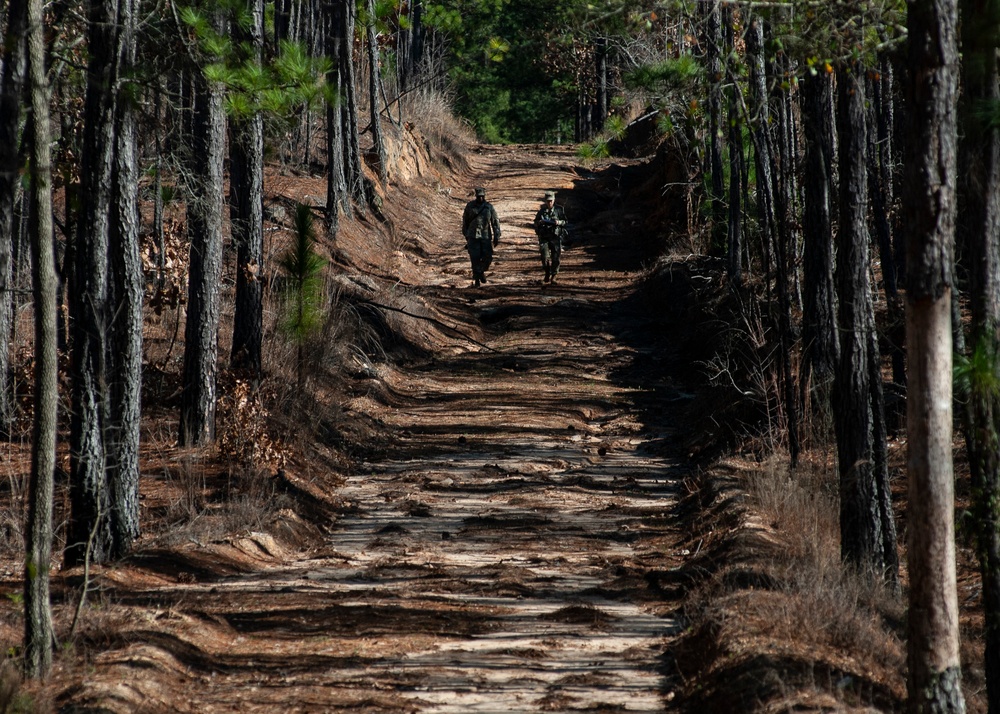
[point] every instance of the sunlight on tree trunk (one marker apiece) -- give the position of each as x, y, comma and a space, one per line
934, 683
38, 630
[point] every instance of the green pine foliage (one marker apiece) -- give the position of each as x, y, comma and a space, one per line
678, 74
597, 149
280, 87
304, 269
977, 374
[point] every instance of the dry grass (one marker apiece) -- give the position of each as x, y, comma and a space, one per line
778, 618
446, 132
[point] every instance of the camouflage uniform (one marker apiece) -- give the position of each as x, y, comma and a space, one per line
550, 227
481, 228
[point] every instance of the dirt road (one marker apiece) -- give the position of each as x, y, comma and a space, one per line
503, 554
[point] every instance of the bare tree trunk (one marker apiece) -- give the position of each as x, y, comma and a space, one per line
774, 231
601, 82
934, 682
374, 82
978, 229
158, 232
349, 108
89, 308
861, 517
11, 91
715, 76
337, 198
38, 630
201, 332
734, 248
125, 298
411, 46
820, 340
246, 214
881, 198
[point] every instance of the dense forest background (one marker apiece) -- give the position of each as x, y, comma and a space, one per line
829, 155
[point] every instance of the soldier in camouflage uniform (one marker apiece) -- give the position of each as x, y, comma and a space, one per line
550, 227
481, 228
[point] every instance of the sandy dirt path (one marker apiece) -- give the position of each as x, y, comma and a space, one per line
505, 553
529, 490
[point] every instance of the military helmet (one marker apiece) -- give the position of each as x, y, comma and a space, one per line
480, 191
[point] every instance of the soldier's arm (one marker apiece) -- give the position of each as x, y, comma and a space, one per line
495, 219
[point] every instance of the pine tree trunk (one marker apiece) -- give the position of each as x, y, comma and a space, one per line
159, 234
773, 225
734, 249
820, 340
38, 630
411, 44
337, 200
760, 118
201, 332
246, 214
601, 81
349, 107
860, 519
89, 526
11, 90
125, 300
934, 682
881, 199
979, 233
374, 83
715, 76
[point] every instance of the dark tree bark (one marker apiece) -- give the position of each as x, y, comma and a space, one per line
773, 224
158, 232
201, 332
410, 46
349, 107
89, 525
125, 298
880, 190
785, 156
337, 198
38, 630
601, 82
759, 112
978, 232
11, 97
934, 682
820, 340
855, 406
283, 21
246, 214
734, 251
713, 31
374, 84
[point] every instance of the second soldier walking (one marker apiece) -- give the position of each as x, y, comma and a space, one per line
550, 227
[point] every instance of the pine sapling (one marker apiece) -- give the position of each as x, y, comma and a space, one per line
304, 268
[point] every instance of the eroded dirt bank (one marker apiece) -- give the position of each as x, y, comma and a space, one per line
503, 543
